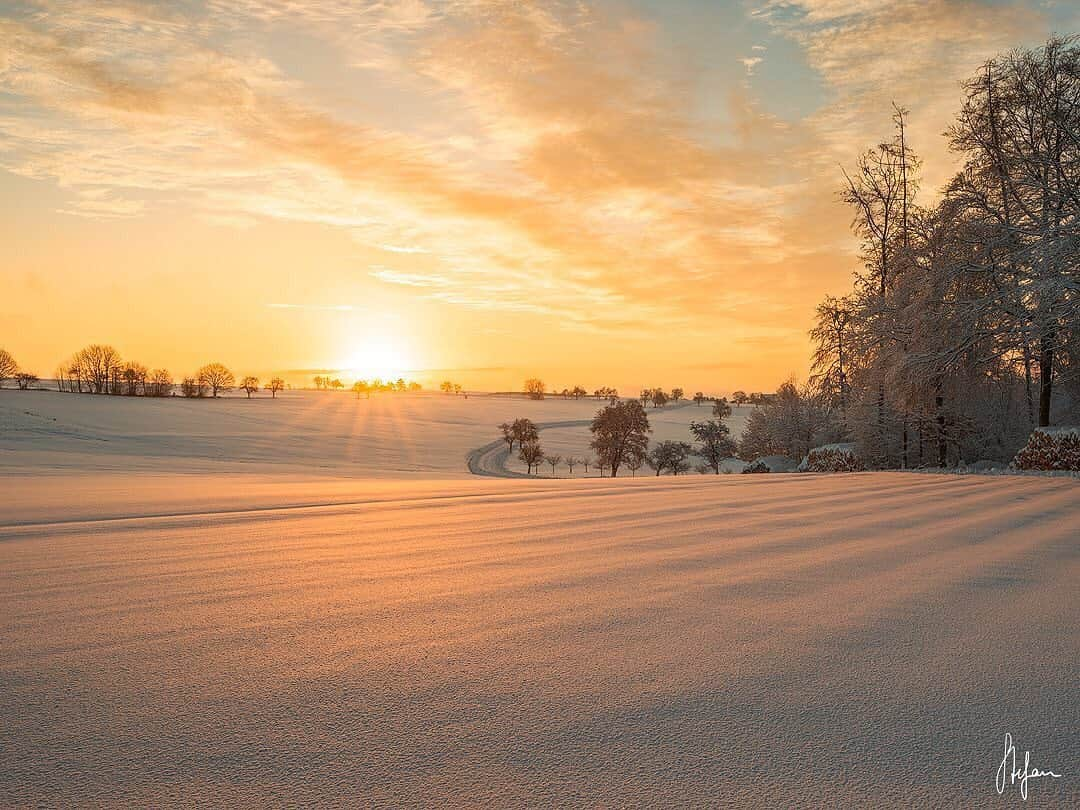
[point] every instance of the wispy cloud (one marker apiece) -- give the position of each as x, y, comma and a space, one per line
548, 158
751, 62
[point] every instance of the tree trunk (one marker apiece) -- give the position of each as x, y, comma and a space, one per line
939, 404
1046, 378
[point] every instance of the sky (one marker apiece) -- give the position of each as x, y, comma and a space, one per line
631, 193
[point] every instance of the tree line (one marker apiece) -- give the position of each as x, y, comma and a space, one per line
959, 335
620, 440
99, 369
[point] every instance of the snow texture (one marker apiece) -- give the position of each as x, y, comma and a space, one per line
196, 631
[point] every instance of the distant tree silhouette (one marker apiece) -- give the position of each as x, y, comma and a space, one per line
8, 367
645, 396
535, 388
739, 398
25, 379
531, 454
669, 455
570, 461
508, 434
659, 398
361, 387
553, 460
715, 443
618, 430
699, 398
98, 366
249, 385
160, 383
276, 384
676, 394
134, 376
524, 432
193, 387
217, 378
721, 409
337, 384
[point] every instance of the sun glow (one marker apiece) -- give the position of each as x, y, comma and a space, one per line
380, 359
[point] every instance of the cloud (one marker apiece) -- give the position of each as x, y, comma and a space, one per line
750, 62
544, 158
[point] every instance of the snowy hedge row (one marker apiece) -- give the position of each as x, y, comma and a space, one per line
833, 459
1050, 450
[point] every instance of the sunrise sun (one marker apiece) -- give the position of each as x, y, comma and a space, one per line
383, 359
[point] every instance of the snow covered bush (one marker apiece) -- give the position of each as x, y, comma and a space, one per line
1050, 449
758, 466
833, 458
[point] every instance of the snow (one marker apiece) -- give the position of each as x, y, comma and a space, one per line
232, 604
1059, 430
776, 464
390, 435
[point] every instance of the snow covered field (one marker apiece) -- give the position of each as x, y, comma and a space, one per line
402, 435
311, 601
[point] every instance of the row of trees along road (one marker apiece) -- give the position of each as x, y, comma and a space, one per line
961, 331
620, 440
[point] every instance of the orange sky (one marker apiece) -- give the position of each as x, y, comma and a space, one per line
635, 193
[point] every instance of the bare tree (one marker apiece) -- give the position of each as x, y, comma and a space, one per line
99, 366
570, 462
832, 339
217, 378
531, 454
8, 366
524, 432
249, 385
276, 384
634, 462
715, 443
25, 379
535, 388
553, 461
618, 430
676, 395
669, 455
508, 435
160, 383
193, 387
134, 376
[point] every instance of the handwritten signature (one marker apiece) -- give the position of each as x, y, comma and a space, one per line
1008, 773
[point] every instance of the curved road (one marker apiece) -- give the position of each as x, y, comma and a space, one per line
490, 460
